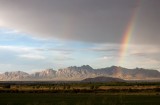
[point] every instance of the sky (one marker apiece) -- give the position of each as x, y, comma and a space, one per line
41, 34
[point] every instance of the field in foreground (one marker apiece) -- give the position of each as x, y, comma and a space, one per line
76, 93
77, 99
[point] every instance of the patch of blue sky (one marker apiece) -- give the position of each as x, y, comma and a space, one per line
11, 38
15, 38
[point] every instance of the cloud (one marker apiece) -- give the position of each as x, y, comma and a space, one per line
106, 50
32, 56
23, 58
25, 49
63, 58
14, 54
105, 47
139, 54
148, 63
102, 21
105, 58
16, 48
144, 50
11, 32
64, 50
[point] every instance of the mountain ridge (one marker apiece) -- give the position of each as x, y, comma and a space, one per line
74, 73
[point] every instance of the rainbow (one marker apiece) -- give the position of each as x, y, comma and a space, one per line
127, 36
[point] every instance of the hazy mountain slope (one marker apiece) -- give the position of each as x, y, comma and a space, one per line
75, 73
124, 73
16, 75
44, 75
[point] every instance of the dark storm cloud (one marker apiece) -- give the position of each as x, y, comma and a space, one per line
147, 24
84, 20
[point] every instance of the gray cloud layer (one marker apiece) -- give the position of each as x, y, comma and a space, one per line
84, 20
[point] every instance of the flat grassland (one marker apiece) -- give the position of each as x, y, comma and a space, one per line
80, 94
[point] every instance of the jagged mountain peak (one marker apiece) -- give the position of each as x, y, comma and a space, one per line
81, 67
86, 67
117, 67
49, 70
44, 74
16, 72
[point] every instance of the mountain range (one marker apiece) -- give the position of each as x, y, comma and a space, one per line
75, 73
